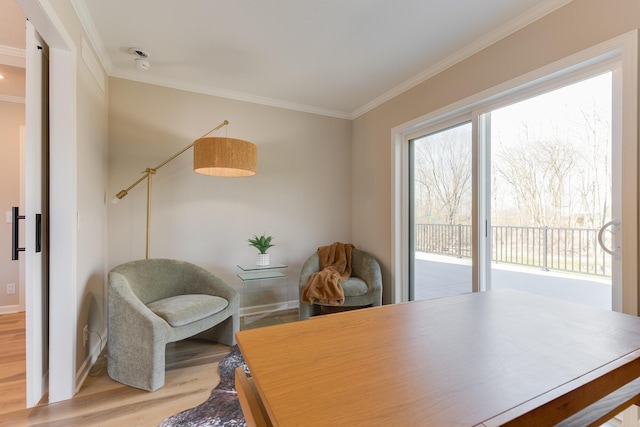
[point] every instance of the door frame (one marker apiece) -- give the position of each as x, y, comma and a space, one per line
63, 197
624, 49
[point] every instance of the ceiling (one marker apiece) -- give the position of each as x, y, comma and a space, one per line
334, 57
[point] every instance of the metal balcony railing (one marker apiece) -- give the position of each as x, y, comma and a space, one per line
574, 250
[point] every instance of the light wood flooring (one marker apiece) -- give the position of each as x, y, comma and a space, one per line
191, 374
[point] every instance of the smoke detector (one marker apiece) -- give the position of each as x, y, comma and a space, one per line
141, 57
142, 64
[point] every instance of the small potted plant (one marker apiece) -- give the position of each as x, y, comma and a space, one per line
262, 244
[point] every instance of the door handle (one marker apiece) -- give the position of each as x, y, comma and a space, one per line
601, 242
38, 232
15, 245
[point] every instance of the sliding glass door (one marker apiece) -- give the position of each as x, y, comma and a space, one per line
524, 193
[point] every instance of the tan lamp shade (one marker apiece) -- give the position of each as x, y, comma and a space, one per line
224, 157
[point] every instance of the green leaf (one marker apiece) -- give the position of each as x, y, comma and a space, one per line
262, 243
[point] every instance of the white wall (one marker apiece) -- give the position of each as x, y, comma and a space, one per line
301, 193
92, 156
571, 29
11, 118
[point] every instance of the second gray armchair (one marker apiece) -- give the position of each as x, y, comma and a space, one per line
363, 288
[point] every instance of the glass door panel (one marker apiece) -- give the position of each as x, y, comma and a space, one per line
551, 181
441, 209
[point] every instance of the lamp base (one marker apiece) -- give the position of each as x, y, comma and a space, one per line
262, 260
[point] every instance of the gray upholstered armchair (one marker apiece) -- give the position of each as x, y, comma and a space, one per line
153, 302
363, 288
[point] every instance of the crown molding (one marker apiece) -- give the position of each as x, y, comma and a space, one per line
92, 34
13, 56
223, 93
493, 37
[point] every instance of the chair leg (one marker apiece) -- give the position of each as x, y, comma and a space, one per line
138, 365
305, 311
377, 299
224, 332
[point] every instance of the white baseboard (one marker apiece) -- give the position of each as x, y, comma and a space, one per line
268, 308
90, 360
10, 309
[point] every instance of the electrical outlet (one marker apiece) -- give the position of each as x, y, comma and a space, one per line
85, 335
11, 288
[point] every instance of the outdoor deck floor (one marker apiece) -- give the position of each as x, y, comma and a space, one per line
438, 276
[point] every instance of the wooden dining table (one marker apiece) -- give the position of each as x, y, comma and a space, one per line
486, 359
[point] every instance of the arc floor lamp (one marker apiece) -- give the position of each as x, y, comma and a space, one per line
214, 156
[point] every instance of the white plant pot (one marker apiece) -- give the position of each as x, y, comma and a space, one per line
262, 260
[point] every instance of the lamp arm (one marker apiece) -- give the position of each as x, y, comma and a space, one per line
124, 192
148, 171
173, 157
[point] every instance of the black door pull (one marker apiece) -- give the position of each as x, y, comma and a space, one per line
38, 232
14, 233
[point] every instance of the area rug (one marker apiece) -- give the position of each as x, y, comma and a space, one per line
222, 408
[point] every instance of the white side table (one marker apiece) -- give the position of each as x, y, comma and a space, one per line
264, 291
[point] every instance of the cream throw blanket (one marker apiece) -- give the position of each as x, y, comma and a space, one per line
335, 268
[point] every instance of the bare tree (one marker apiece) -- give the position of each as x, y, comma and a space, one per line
554, 173
538, 170
559, 173
594, 171
443, 174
